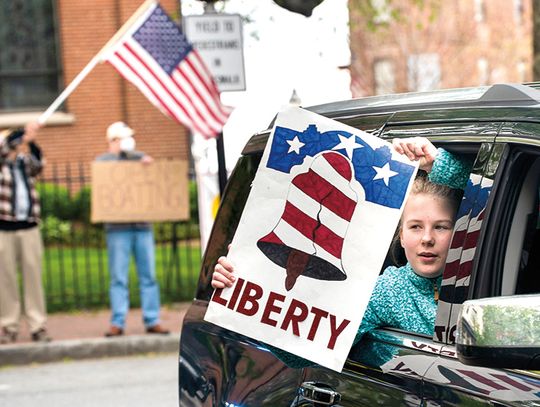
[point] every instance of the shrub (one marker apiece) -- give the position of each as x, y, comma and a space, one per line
193, 202
82, 204
55, 201
55, 230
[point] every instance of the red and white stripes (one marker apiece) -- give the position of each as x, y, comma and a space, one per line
320, 204
189, 95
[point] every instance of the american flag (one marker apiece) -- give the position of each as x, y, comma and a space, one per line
466, 232
156, 57
457, 273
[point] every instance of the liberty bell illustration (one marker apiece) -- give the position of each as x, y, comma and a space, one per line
308, 238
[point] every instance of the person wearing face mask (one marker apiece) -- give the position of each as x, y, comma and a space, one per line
126, 239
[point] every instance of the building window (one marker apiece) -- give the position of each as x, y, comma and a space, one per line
29, 69
382, 11
518, 11
385, 79
483, 71
424, 72
479, 11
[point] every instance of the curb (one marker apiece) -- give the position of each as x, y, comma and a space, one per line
23, 354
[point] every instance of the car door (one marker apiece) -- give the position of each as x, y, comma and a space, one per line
387, 367
506, 262
218, 367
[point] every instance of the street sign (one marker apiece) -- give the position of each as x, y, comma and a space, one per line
218, 39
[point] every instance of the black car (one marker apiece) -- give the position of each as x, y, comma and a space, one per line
487, 334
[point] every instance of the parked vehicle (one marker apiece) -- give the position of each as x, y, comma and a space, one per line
493, 267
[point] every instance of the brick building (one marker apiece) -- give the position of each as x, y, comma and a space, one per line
447, 44
57, 39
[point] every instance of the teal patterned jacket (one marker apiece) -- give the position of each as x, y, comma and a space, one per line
401, 298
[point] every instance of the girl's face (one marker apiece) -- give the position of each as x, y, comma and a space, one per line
426, 229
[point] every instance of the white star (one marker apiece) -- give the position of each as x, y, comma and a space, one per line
384, 173
349, 144
295, 145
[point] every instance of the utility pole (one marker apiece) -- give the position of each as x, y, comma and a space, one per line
218, 39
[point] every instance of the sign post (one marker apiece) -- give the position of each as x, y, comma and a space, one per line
218, 39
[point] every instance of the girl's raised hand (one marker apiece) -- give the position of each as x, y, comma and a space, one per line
417, 149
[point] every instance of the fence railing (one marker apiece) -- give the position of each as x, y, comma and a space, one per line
75, 257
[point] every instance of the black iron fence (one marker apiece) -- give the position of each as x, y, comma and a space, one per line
75, 258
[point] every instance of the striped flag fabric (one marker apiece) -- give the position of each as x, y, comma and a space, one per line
459, 262
156, 57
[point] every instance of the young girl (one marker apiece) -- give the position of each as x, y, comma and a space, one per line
406, 297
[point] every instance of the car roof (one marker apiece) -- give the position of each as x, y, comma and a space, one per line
519, 102
498, 94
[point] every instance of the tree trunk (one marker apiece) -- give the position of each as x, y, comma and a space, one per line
536, 39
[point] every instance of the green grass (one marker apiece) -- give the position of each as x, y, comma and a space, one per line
77, 278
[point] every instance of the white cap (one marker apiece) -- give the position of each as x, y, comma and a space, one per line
119, 130
5, 133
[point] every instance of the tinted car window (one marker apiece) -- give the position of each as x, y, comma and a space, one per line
522, 259
227, 219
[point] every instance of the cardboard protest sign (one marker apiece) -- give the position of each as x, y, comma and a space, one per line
130, 191
313, 236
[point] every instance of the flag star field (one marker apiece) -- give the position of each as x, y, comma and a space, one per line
162, 39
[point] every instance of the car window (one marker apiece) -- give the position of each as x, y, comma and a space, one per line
226, 222
522, 254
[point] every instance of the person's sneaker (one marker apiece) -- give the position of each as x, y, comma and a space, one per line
41, 335
114, 331
7, 336
157, 329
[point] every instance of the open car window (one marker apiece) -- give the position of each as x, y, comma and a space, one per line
522, 253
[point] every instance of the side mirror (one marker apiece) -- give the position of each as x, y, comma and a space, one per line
500, 332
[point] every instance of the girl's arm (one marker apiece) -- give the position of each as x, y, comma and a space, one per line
443, 167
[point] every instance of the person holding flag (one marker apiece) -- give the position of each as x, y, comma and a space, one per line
20, 239
151, 51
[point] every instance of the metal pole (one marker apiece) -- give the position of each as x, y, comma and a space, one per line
222, 169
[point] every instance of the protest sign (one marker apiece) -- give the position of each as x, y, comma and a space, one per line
313, 236
130, 191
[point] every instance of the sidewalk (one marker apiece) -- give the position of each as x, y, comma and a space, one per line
79, 335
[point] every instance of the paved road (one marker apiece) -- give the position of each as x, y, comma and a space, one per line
149, 380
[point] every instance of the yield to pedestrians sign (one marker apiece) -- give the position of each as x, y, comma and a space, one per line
218, 39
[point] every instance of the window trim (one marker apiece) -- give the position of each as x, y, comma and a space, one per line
508, 183
58, 118
39, 72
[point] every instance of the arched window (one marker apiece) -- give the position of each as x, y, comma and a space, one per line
29, 68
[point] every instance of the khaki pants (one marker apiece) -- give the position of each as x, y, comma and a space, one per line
22, 247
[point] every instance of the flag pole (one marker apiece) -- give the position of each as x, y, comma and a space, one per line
222, 168
92, 64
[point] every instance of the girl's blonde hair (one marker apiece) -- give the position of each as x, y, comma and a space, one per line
422, 185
